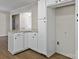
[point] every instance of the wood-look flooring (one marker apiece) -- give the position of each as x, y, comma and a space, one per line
29, 54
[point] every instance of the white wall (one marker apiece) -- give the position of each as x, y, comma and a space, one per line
76, 30
4, 23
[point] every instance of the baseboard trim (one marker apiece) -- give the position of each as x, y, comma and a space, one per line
3, 35
65, 54
52, 53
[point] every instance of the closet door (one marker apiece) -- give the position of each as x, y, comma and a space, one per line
65, 30
42, 37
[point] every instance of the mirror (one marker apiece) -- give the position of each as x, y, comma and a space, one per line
22, 21
26, 21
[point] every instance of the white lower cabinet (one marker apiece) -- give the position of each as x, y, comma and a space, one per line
32, 41
18, 42
25, 41
38, 42
42, 44
46, 37
15, 42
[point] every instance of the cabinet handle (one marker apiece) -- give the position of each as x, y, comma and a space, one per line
44, 21
56, 1
15, 38
77, 14
34, 34
59, 0
77, 20
44, 18
38, 0
77, 17
32, 37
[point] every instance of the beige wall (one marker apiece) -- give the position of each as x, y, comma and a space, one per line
4, 23
35, 18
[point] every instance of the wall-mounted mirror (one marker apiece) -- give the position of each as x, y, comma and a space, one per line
15, 22
22, 21
26, 21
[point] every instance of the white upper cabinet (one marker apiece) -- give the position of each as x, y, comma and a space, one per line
41, 9
63, 1
49, 2
57, 2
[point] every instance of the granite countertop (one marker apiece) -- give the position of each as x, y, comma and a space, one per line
16, 31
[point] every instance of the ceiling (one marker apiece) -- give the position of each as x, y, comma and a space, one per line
8, 5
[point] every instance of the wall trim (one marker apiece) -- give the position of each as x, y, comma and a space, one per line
66, 54
4, 35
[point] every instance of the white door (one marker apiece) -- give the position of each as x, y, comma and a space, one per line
25, 40
18, 42
65, 30
42, 38
41, 9
32, 41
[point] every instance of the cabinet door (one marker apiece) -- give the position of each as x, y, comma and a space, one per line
41, 9
10, 42
32, 39
54, 2
50, 2
18, 42
61, 1
42, 37
25, 40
